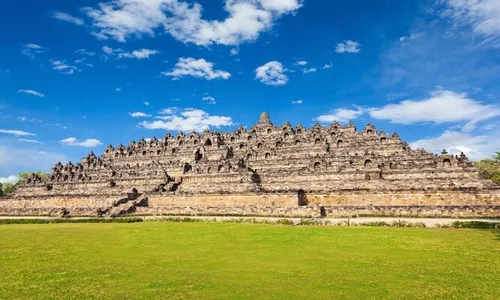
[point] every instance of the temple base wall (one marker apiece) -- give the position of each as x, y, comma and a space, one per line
442, 204
434, 211
406, 198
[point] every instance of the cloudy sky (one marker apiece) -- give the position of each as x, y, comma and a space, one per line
78, 75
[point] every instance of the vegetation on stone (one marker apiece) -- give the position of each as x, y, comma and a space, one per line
198, 260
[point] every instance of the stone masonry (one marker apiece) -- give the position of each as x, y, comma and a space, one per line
267, 170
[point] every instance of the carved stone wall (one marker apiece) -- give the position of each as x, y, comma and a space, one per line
265, 168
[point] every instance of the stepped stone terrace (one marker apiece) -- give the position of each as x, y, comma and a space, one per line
267, 170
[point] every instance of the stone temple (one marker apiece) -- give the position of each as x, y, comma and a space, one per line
266, 170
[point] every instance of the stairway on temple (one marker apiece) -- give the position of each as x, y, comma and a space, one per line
127, 205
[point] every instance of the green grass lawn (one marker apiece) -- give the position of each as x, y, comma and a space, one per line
246, 261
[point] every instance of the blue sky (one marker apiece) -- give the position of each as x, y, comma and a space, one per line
78, 75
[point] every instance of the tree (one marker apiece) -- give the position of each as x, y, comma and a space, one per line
21, 177
490, 168
8, 188
24, 175
1, 189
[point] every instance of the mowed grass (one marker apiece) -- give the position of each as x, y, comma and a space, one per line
157, 260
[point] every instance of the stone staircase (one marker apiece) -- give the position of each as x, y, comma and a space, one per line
126, 205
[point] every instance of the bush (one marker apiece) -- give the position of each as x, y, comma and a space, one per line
375, 224
177, 220
400, 223
314, 222
56, 221
476, 224
285, 222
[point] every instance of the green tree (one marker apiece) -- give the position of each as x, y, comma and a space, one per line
21, 177
24, 175
8, 188
489, 168
1, 189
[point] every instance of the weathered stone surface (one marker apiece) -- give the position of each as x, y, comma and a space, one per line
266, 170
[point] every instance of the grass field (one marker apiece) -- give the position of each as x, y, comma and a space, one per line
246, 261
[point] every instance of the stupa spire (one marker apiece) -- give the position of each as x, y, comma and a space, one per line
264, 119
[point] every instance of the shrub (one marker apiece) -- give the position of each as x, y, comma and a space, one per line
285, 222
56, 221
178, 220
476, 224
400, 223
375, 224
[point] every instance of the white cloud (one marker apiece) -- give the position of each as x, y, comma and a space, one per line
121, 19
187, 120
31, 92
168, 111
309, 70
32, 50
118, 89
327, 66
12, 179
32, 120
475, 147
89, 65
67, 18
234, 51
72, 141
14, 160
63, 67
30, 141
138, 54
272, 73
297, 102
442, 107
348, 47
412, 36
107, 50
139, 114
208, 99
33, 46
85, 52
341, 115
301, 63
146, 103
482, 15
199, 68
16, 132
